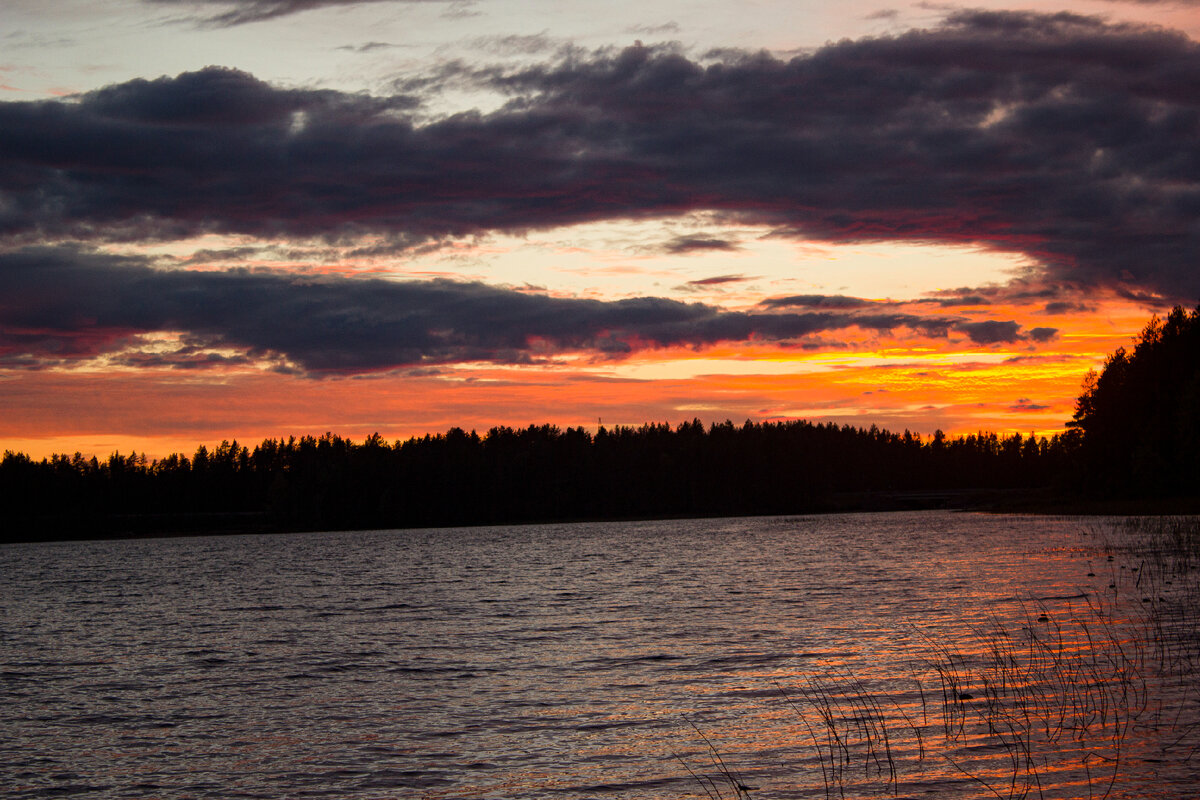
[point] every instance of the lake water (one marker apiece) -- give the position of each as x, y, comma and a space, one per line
809, 655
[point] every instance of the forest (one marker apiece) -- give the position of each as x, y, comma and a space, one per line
1135, 433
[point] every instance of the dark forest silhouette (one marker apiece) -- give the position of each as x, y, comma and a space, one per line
1135, 433
1140, 416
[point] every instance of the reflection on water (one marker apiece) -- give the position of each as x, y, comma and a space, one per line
924, 654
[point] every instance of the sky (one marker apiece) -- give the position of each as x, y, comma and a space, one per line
239, 220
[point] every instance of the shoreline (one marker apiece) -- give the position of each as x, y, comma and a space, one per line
989, 501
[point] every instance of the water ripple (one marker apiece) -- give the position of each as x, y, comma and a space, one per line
564, 661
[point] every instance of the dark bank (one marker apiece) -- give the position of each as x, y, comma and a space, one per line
1133, 446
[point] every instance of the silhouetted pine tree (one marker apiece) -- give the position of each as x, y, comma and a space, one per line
1140, 416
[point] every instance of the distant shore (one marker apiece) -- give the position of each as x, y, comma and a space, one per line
52, 528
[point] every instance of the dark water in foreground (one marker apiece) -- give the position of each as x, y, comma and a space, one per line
576, 661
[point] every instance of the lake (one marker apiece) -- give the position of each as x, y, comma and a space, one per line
924, 654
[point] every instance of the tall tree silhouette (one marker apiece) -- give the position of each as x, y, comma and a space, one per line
1140, 416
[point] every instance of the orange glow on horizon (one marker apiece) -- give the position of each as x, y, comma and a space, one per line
920, 384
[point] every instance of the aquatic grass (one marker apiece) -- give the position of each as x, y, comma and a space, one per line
857, 732
721, 775
1073, 684
1092, 688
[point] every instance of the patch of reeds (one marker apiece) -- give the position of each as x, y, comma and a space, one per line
715, 777
1086, 694
851, 732
1057, 694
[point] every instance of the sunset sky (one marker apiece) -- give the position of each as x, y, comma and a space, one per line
266, 218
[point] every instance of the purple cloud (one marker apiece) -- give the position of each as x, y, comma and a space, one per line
1065, 138
59, 304
990, 331
229, 13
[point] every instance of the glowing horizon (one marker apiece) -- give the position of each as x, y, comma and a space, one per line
1003, 390
408, 220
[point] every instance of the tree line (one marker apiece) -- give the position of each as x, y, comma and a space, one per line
1139, 417
1136, 431
506, 475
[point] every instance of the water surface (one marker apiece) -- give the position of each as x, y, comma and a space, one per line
551, 661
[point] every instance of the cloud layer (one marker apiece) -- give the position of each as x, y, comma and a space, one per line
60, 304
229, 13
1062, 137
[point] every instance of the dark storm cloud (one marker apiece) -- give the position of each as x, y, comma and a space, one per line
229, 13
1070, 140
60, 303
1025, 404
718, 280
187, 357
208, 256
699, 244
838, 301
667, 28
1042, 334
984, 332
959, 300
991, 331
1066, 307
369, 47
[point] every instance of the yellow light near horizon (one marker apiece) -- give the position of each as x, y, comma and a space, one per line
920, 384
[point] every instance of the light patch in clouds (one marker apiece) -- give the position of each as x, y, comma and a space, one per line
517, 44
618, 258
